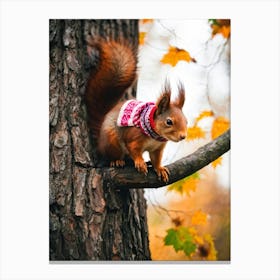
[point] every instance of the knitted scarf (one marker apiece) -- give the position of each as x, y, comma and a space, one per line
139, 114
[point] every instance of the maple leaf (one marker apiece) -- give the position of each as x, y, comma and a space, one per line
194, 132
175, 55
172, 239
186, 185
199, 218
189, 247
189, 185
220, 125
181, 240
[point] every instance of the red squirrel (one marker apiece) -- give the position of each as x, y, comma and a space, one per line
130, 127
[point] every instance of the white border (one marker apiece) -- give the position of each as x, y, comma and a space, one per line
24, 138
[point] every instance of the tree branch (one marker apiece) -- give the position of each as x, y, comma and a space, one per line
128, 177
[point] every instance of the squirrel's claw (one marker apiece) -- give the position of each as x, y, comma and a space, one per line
163, 173
141, 166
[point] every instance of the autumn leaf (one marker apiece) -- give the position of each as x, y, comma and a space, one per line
220, 26
196, 238
220, 125
199, 218
181, 240
190, 185
192, 231
194, 132
212, 253
217, 162
186, 185
142, 36
175, 55
146, 20
204, 114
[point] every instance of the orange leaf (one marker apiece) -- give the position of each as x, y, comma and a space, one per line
225, 31
221, 26
175, 55
146, 20
199, 218
195, 132
203, 114
220, 125
142, 36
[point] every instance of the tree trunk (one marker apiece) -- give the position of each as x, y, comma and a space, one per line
89, 218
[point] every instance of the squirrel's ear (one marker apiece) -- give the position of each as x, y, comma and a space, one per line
163, 101
180, 100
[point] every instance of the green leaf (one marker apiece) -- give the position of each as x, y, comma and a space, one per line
189, 247
172, 239
180, 239
213, 21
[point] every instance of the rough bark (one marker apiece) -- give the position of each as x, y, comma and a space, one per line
89, 218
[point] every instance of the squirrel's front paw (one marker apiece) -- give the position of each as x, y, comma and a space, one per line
163, 173
141, 166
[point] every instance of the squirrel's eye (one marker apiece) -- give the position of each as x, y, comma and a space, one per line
169, 122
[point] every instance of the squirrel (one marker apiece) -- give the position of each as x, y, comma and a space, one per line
130, 127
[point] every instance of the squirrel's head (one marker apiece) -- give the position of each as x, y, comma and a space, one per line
170, 121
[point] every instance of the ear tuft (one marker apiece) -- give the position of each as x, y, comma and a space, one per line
180, 100
163, 101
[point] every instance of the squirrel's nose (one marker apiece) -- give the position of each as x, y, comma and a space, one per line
182, 137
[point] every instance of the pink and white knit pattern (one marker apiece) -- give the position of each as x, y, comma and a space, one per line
139, 114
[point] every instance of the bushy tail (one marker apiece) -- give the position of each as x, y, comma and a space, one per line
115, 73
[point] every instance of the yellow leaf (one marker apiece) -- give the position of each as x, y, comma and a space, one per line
195, 132
220, 125
192, 231
186, 185
142, 36
175, 55
196, 238
212, 254
217, 162
189, 185
199, 218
